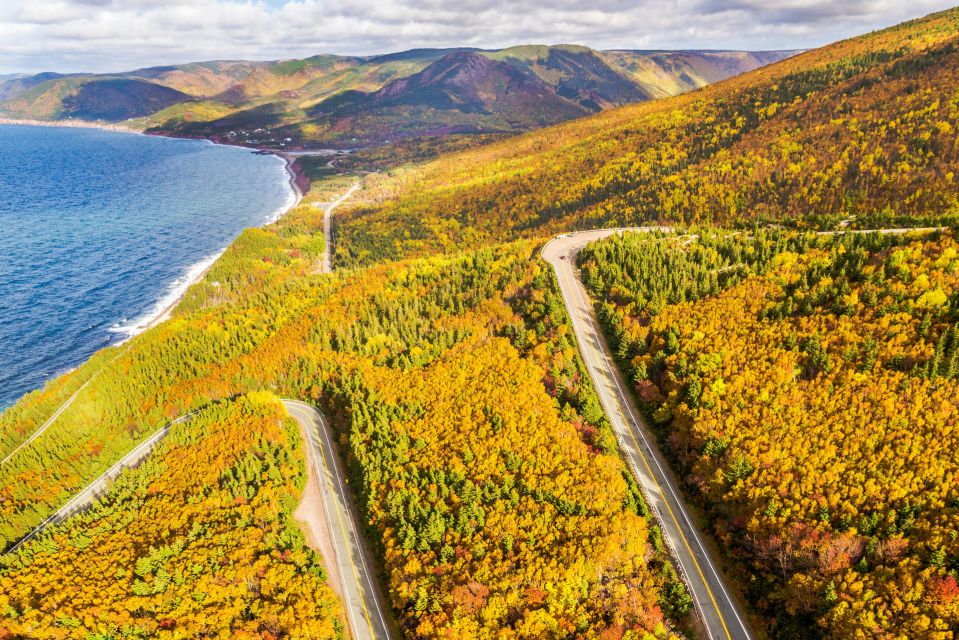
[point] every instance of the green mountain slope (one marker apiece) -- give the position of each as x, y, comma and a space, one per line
863, 130
284, 99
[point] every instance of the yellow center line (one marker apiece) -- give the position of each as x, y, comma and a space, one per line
349, 553
649, 470
692, 555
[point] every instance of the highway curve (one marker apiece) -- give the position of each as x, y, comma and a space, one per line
364, 604
718, 610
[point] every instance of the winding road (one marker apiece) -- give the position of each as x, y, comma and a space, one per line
361, 595
327, 264
365, 605
718, 609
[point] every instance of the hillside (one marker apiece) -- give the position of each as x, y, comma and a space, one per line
863, 131
120, 566
283, 99
463, 92
670, 73
803, 387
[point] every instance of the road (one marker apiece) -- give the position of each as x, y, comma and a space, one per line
327, 265
95, 489
718, 610
364, 603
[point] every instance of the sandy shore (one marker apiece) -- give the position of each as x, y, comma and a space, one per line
70, 124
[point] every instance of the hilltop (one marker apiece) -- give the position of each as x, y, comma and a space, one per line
288, 103
801, 386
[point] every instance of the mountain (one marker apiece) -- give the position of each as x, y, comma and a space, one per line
99, 99
803, 142
577, 73
802, 387
516, 89
12, 86
462, 92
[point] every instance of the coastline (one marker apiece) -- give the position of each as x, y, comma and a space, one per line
295, 178
69, 124
297, 181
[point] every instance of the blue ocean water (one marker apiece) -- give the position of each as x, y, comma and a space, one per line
99, 231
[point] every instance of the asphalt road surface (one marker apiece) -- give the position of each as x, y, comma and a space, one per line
364, 604
718, 610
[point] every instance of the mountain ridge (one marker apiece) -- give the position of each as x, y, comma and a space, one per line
282, 97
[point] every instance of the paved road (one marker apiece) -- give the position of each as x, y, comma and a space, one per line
53, 418
717, 608
364, 603
95, 489
327, 265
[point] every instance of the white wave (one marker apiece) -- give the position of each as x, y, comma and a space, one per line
292, 195
174, 292
194, 273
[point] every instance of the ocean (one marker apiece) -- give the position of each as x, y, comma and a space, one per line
100, 231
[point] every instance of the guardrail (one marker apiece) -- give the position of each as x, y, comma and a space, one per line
92, 491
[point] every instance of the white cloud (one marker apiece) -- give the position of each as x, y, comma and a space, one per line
113, 35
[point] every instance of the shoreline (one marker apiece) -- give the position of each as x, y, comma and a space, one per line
296, 179
69, 124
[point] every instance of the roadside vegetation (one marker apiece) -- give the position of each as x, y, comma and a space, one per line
199, 541
805, 387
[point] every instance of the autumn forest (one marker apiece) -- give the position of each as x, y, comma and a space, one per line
799, 371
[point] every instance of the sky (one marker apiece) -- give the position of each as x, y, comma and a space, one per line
118, 35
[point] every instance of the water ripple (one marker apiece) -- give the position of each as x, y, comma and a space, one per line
101, 230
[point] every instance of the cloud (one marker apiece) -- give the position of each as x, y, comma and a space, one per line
113, 35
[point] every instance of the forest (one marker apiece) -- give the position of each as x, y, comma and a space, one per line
805, 387
475, 534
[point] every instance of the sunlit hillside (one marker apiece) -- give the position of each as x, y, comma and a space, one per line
862, 130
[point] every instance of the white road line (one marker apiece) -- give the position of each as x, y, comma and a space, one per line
89, 493
367, 593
